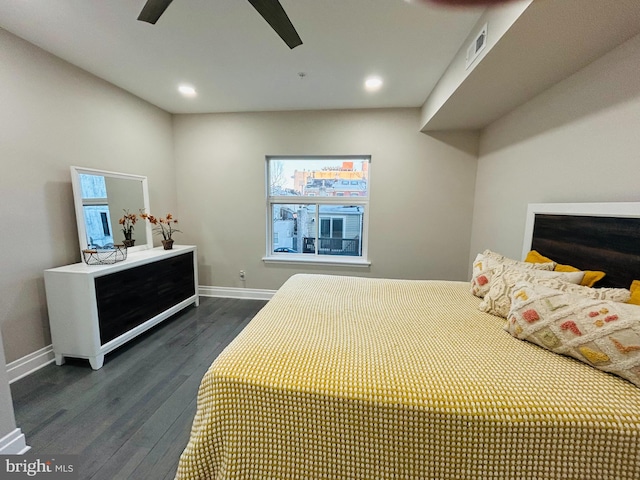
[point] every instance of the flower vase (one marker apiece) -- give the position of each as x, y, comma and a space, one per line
128, 241
167, 244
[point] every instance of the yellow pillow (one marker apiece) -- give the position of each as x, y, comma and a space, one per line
635, 292
590, 276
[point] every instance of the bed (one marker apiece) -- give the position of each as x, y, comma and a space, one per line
358, 378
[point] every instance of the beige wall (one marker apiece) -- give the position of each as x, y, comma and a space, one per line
577, 142
421, 190
54, 115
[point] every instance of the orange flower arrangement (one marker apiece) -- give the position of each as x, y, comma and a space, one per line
162, 226
127, 222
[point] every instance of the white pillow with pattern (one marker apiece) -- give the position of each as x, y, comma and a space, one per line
498, 299
600, 333
487, 261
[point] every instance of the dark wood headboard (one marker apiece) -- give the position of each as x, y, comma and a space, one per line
603, 236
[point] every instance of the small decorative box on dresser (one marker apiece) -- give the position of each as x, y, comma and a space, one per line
95, 309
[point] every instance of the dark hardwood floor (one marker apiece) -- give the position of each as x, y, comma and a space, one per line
132, 418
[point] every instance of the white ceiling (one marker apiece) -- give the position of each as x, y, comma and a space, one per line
238, 63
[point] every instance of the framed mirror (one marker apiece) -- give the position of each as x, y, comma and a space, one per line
101, 199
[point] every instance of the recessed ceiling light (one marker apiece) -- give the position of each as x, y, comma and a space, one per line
187, 90
372, 84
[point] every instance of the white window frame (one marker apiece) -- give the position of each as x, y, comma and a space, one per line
316, 258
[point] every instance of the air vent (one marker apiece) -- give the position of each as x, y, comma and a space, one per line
478, 44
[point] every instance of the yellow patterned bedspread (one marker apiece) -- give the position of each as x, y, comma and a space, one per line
354, 378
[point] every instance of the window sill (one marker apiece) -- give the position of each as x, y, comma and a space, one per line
314, 260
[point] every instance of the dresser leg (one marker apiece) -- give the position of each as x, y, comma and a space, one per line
96, 362
59, 359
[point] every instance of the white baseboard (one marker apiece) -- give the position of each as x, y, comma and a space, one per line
234, 292
30, 363
14, 443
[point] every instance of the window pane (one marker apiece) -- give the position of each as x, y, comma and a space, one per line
345, 233
336, 227
294, 228
325, 227
105, 223
319, 177
96, 220
93, 186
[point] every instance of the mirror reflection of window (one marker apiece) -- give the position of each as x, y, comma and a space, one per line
101, 199
93, 186
96, 211
97, 221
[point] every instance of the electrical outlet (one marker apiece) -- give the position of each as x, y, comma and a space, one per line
242, 275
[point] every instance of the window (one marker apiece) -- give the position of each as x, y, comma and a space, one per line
104, 218
96, 211
317, 209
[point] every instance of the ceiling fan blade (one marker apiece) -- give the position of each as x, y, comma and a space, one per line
274, 14
152, 10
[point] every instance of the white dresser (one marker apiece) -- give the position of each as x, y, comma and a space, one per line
95, 309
